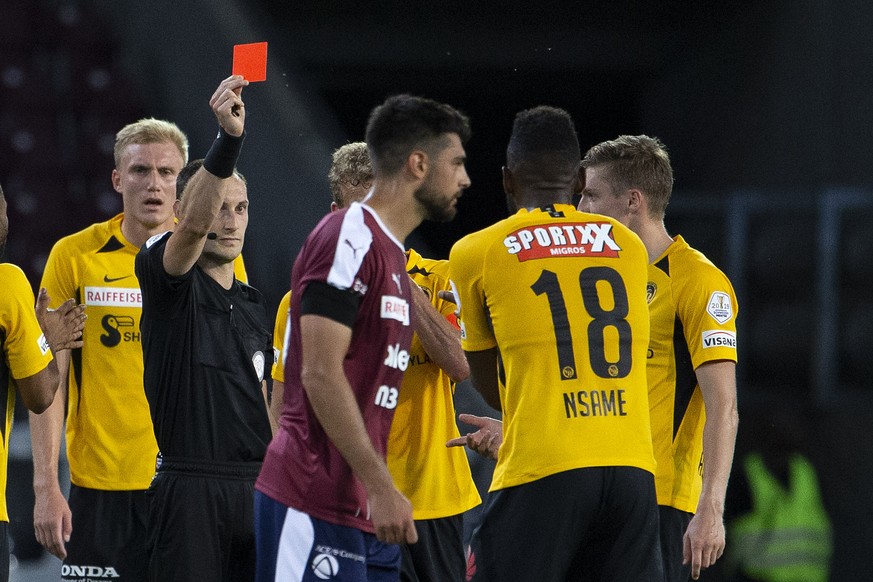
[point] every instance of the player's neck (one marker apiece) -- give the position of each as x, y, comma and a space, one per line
654, 236
220, 272
396, 208
137, 233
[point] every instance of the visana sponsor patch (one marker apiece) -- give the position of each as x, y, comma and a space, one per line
719, 338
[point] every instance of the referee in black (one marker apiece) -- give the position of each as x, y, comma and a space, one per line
206, 347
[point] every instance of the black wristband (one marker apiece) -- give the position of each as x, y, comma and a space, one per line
221, 158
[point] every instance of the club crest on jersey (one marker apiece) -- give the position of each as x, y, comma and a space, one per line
651, 289
719, 307
395, 308
590, 239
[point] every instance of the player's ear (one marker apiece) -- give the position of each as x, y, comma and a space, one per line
508, 180
579, 180
635, 200
177, 204
417, 163
116, 181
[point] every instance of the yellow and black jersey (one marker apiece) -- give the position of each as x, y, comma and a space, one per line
23, 353
562, 295
693, 312
279, 331
435, 478
110, 441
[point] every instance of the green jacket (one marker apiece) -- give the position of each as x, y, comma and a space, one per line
787, 535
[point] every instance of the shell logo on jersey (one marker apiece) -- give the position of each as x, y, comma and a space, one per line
719, 307
113, 296
395, 308
592, 239
719, 338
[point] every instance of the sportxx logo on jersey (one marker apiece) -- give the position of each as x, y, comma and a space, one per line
113, 296
592, 239
395, 308
719, 338
719, 306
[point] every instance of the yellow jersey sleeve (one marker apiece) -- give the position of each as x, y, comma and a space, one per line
24, 344
279, 329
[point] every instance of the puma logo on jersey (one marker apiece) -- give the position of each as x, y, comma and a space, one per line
396, 278
561, 240
353, 247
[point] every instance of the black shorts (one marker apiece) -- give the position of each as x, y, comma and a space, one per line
597, 524
201, 521
109, 536
438, 556
674, 522
4, 551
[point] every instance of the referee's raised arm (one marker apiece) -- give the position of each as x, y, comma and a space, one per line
205, 192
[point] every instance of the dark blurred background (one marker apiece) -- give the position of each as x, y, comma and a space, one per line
766, 108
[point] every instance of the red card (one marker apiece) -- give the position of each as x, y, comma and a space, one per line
250, 61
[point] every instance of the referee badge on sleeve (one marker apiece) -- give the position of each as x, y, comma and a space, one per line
258, 361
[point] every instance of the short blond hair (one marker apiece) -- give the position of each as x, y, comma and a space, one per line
636, 161
350, 165
150, 130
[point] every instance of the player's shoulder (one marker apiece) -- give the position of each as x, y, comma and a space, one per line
13, 277
687, 263
89, 239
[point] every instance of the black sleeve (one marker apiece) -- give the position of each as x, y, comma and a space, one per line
156, 285
340, 305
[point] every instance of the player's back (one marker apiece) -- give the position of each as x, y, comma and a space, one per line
565, 295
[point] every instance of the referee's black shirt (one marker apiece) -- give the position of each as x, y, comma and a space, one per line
206, 350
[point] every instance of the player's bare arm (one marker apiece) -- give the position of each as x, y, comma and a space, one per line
704, 540
441, 340
483, 375
324, 346
205, 192
52, 519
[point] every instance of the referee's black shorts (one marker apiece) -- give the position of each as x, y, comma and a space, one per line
201, 521
590, 524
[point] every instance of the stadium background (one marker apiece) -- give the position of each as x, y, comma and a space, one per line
766, 109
